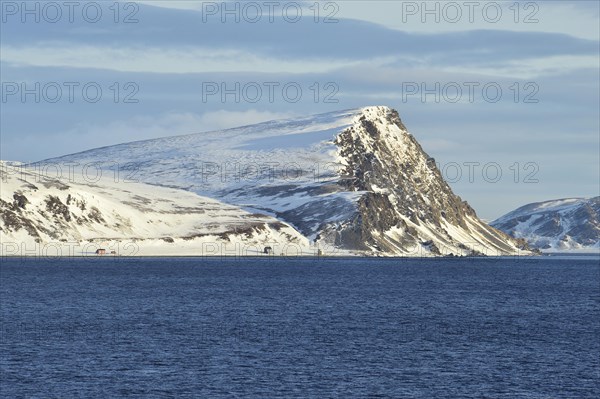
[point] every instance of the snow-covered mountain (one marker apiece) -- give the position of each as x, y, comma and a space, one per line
353, 180
45, 216
557, 225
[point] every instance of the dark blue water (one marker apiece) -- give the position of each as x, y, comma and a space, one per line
261, 328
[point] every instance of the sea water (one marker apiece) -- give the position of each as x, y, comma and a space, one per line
274, 327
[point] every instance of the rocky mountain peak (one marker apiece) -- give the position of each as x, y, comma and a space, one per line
354, 181
406, 205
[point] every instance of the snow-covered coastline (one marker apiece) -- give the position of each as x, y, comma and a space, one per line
568, 225
346, 183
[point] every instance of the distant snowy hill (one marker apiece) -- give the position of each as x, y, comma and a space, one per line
353, 180
557, 225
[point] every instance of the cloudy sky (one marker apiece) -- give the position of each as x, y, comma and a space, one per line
486, 87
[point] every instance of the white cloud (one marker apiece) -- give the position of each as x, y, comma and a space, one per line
575, 18
204, 60
178, 5
572, 18
531, 68
166, 60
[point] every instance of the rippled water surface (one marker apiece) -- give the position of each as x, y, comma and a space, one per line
210, 328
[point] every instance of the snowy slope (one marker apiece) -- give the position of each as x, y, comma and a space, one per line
274, 166
558, 225
356, 180
47, 216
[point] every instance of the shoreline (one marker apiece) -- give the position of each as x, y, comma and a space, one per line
307, 257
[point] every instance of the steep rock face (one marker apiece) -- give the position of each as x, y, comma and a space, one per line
406, 206
352, 181
556, 225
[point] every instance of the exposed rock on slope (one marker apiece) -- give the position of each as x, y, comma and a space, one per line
355, 180
557, 225
406, 206
42, 216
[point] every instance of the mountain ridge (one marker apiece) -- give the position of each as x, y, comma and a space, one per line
355, 180
566, 224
